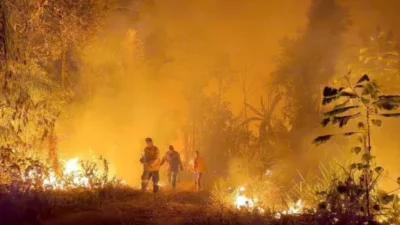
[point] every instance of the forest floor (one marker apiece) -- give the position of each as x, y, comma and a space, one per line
123, 207
163, 208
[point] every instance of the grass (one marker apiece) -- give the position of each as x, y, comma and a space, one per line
122, 206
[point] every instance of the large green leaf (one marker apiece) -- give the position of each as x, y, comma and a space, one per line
329, 91
347, 94
339, 110
371, 88
343, 120
388, 102
322, 139
390, 114
386, 199
343, 104
327, 100
363, 78
325, 121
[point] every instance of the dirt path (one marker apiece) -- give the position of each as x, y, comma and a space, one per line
164, 208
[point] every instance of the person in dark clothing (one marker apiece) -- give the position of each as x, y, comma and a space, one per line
151, 165
173, 159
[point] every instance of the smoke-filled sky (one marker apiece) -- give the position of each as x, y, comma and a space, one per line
183, 39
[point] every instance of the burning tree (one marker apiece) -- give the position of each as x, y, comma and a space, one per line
364, 103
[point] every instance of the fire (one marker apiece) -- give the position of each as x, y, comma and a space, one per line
243, 202
71, 166
296, 208
72, 171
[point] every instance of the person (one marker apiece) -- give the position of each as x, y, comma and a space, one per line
151, 165
198, 168
173, 159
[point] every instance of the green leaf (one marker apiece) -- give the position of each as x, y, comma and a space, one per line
386, 199
379, 170
390, 114
349, 133
321, 139
377, 123
367, 157
330, 92
343, 120
327, 100
339, 110
325, 121
363, 78
343, 104
388, 102
371, 88
356, 149
347, 94
365, 100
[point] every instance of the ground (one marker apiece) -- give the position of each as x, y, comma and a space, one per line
122, 206
164, 208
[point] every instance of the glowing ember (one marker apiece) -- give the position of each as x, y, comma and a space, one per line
243, 202
72, 172
294, 208
71, 166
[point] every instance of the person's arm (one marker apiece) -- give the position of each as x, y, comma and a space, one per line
163, 160
142, 158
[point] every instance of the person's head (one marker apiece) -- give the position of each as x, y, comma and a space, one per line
149, 142
171, 148
197, 154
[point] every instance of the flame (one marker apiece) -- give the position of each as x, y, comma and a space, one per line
243, 202
72, 170
296, 208
71, 166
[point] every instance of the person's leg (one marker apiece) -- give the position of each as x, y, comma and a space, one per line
174, 174
155, 178
145, 179
169, 174
200, 175
197, 180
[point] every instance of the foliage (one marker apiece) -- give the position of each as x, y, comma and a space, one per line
306, 62
363, 103
379, 56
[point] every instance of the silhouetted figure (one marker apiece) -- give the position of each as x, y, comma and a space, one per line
198, 168
173, 159
151, 165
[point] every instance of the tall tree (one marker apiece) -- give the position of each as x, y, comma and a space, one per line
307, 62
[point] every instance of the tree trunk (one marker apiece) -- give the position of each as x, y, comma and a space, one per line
368, 164
63, 66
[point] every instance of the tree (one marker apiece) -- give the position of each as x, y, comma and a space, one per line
379, 56
364, 103
307, 62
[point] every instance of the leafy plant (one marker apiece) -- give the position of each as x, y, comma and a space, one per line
363, 103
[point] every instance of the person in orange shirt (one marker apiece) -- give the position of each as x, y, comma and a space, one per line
198, 168
151, 165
